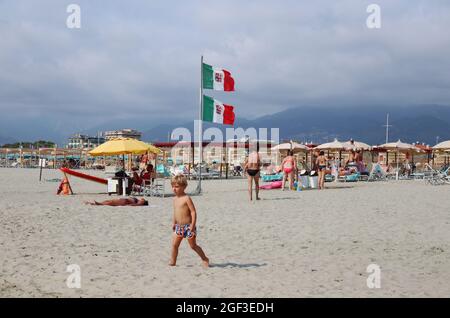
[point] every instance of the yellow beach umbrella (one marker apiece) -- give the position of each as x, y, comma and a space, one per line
122, 146
154, 149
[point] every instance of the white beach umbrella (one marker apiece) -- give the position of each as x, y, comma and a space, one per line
399, 146
334, 145
445, 145
290, 146
356, 145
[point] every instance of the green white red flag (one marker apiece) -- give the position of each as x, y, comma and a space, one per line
217, 79
217, 112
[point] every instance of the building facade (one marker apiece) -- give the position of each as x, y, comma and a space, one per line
122, 133
79, 141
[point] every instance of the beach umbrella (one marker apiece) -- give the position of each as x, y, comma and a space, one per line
334, 145
398, 147
123, 146
445, 145
154, 149
290, 146
354, 145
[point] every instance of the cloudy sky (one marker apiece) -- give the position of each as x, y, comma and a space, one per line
142, 58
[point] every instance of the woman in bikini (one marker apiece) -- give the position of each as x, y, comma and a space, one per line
289, 166
321, 163
252, 167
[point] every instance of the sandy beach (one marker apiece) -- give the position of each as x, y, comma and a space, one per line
290, 244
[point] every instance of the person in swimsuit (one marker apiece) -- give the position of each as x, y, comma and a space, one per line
321, 163
184, 220
121, 202
289, 167
252, 167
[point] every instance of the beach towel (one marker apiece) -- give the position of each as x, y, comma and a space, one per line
272, 185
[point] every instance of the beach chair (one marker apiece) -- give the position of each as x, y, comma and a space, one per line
440, 177
272, 177
150, 189
377, 173
350, 177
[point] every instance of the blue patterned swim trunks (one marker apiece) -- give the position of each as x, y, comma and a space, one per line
184, 231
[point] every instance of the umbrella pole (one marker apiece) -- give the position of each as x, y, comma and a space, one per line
396, 157
124, 190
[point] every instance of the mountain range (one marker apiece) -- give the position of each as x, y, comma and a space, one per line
426, 124
423, 123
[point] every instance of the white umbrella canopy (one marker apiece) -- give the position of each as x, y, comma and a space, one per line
289, 146
356, 145
334, 145
445, 145
399, 146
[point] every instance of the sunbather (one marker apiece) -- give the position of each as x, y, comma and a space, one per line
121, 202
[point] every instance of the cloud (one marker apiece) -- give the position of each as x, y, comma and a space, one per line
142, 58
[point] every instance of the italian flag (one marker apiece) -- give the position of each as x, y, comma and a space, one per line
217, 79
217, 112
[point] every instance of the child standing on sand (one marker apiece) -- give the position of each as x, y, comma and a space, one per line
184, 220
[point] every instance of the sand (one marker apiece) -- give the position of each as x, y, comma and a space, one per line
289, 244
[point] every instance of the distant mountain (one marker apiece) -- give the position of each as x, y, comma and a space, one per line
306, 123
318, 125
6, 140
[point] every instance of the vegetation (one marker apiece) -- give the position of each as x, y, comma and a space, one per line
34, 145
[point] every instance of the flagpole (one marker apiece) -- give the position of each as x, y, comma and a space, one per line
200, 131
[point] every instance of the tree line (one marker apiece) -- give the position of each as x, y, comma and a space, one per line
32, 145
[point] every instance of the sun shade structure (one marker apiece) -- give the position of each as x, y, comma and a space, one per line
123, 146
357, 145
445, 145
399, 146
290, 146
334, 145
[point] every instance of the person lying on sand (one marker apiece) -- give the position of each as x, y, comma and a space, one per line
121, 202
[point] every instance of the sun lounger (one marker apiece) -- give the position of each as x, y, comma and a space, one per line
272, 177
350, 177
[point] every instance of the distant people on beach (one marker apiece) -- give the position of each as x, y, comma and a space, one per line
121, 202
143, 161
321, 163
252, 167
148, 174
289, 168
184, 220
